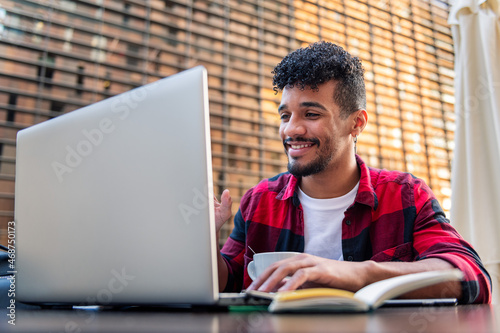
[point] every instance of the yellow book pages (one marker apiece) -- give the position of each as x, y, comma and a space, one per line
284, 296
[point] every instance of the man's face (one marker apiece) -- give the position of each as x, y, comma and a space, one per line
314, 135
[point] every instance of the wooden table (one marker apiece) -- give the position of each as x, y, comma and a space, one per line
470, 318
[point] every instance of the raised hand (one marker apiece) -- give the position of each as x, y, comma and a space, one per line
222, 209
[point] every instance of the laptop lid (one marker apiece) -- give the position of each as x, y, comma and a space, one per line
114, 203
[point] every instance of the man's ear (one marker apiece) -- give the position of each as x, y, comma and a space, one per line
359, 121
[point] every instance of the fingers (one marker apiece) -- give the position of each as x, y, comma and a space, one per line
222, 209
270, 278
225, 205
225, 193
301, 277
226, 198
273, 277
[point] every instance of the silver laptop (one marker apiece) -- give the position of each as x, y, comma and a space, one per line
113, 202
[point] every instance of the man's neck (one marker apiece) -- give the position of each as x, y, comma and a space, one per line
332, 183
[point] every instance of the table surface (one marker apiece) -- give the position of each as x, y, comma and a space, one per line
465, 318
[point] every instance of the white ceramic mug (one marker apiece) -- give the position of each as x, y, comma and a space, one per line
262, 260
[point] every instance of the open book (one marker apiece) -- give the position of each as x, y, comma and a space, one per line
365, 299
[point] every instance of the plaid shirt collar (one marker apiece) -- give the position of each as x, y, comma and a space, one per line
366, 193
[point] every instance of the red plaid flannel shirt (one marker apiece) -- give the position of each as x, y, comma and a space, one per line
395, 217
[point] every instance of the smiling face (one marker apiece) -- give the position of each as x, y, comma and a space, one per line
314, 134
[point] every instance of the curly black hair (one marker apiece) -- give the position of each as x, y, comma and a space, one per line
321, 62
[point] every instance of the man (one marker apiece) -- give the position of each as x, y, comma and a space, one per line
356, 225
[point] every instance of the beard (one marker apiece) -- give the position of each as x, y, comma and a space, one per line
323, 157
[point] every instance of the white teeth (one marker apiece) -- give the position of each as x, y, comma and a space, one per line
300, 146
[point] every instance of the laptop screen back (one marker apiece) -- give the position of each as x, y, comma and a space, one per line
113, 202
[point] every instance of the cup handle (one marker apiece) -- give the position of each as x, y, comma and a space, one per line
251, 270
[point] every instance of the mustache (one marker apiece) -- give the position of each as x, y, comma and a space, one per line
301, 139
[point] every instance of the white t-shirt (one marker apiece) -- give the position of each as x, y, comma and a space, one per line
323, 223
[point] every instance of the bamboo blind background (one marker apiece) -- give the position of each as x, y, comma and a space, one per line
59, 55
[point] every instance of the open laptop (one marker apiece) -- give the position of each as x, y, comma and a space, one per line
114, 203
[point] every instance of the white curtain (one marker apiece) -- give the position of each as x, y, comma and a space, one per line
475, 210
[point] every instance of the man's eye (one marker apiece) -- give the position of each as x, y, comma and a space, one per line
311, 115
284, 116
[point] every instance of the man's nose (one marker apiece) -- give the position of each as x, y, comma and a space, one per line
294, 127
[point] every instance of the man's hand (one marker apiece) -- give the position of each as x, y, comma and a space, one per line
222, 214
306, 270
222, 209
